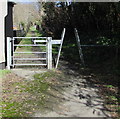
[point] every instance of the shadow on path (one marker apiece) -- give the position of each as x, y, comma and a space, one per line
75, 96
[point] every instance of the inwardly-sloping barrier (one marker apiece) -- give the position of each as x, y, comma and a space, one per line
46, 42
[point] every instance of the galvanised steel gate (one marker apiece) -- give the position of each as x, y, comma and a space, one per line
17, 57
34, 51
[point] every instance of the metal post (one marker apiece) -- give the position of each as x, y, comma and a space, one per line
49, 53
50, 45
62, 38
8, 52
13, 48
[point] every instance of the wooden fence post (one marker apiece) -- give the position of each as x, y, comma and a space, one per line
79, 46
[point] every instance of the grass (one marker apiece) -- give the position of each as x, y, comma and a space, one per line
36, 32
24, 48
13, 109
32, 28
25, 41
4, 72
32, 33
40, 84
25, 97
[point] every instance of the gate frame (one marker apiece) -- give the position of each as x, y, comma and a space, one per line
10, 49
49, 42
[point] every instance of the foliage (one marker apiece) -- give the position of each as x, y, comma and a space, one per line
97, 24
92, 19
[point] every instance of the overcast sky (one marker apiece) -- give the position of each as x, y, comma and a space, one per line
40, 0
23, 0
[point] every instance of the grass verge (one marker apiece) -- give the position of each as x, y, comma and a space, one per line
23, 98
4, 72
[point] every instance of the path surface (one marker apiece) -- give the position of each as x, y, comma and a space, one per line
27, 73
80, 100
74, 97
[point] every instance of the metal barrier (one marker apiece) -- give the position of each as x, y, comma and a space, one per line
11, 52
35, 42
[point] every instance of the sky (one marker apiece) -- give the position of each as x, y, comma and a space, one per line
28, 1
39, 0
23, 1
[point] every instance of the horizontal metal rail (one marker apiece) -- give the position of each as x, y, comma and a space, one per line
30, 64
29, 45
29, 58
30, 37
40, 41
30, 52
56, 41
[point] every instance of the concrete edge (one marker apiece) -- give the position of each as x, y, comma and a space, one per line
2, 65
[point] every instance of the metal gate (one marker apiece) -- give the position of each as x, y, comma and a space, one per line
14, 56
36, 57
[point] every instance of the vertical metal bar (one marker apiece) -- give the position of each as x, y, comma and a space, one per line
46, 51
49, 53
62, 38
13, 52
50, 48
8, 52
